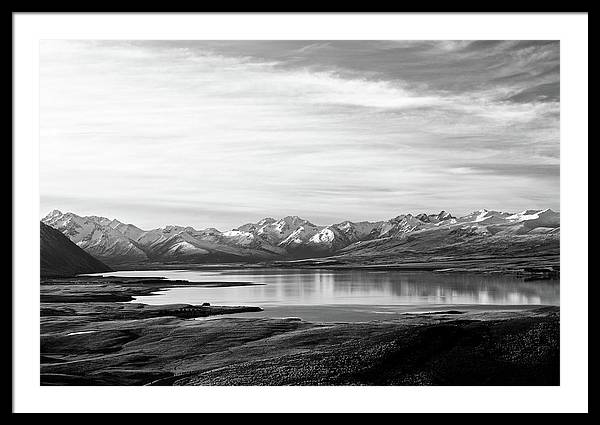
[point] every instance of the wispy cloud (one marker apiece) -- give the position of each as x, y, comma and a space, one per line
227, 132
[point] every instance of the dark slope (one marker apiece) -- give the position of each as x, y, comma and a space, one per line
61, 257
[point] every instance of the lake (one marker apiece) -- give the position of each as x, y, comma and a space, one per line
348, 295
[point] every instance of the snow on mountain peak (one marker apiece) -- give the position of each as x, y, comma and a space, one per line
53, 213
114, 240
212, 231
324, 236
483, 214
423, 217
443, 215
293, 220
537, 218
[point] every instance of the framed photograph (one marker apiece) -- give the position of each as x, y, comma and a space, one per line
345, 212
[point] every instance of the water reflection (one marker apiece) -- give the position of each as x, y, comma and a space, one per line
351, 287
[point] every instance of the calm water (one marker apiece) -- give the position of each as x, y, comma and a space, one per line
349, 294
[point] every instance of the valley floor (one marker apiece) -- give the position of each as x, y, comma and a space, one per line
90, 337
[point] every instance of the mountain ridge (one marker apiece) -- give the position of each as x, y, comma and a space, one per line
292, 237
60, 257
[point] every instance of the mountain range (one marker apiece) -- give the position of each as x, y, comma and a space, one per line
405, 236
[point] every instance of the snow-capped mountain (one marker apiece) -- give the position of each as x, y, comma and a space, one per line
293, 237
359, 231
129, 230
482, 234
95, 235
299, 237
407, 223
277, 231
485, 217
115, 242
252, 227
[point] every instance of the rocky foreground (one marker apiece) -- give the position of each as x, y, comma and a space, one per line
88, 338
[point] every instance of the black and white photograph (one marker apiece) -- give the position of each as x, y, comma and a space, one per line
307, 212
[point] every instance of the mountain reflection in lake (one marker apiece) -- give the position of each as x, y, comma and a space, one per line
310, 289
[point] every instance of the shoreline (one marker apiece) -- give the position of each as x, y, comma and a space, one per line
88, 337
544, 267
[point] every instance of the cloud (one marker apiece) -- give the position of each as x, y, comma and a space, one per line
220, 133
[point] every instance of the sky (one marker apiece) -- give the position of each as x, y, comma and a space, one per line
221, 133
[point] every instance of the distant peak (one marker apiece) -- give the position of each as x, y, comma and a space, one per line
98, 219
423, 217
293, 219
53, 214
444, 215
